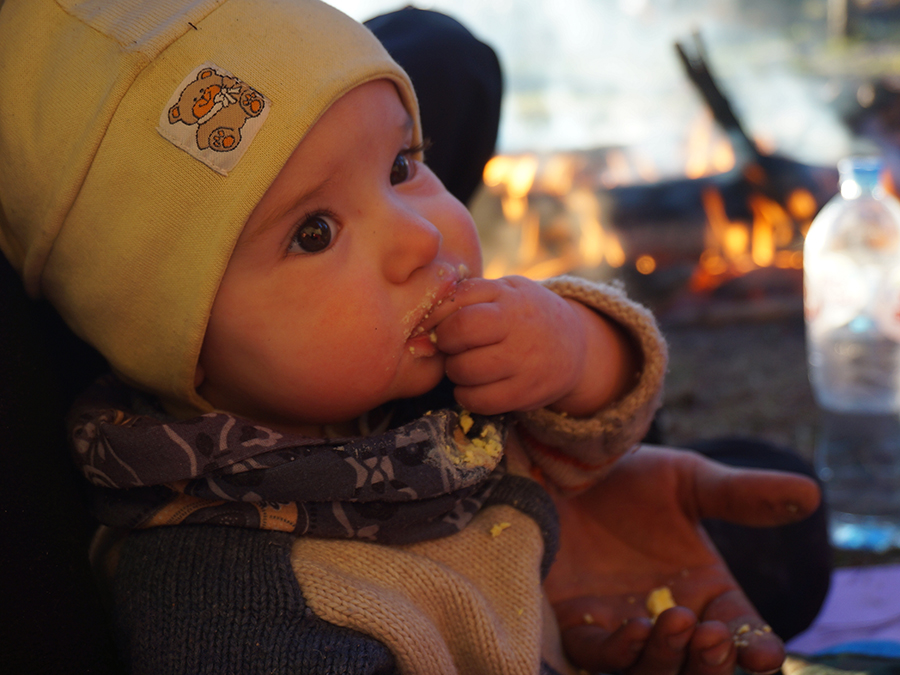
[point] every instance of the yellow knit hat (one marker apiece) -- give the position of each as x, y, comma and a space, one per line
136, 136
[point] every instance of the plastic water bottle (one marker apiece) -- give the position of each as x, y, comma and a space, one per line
851, 265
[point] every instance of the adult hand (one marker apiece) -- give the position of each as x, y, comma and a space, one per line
639, 529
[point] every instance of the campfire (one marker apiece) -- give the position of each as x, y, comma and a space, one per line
729, 229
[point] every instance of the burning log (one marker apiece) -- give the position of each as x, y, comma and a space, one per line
698, 72
775, 176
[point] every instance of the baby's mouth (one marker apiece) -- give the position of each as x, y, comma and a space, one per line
438, 303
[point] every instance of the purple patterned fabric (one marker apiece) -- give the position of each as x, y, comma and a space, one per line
421, 480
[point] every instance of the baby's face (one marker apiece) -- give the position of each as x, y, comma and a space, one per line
320, 312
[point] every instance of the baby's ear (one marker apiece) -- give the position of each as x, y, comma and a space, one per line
199, 376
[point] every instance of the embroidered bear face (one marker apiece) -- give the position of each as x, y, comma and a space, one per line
219, 105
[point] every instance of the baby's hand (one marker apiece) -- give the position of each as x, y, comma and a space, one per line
512, 344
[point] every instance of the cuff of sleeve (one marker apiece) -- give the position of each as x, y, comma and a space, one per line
592, 444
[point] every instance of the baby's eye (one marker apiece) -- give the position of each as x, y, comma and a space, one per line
401, 169
313, 235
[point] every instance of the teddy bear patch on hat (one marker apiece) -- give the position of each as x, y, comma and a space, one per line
213, 116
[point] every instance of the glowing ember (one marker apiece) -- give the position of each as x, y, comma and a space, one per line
645, 264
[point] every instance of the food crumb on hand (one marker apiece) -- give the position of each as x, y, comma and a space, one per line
498, 528
588, 619
659, 600
743, 629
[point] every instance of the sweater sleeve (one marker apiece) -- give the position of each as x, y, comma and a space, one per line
574, 452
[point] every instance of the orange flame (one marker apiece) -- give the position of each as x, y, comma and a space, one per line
707, 152
553, 218
585, 242
772, 239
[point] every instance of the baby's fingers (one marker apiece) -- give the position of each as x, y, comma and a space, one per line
472, 326
495, 398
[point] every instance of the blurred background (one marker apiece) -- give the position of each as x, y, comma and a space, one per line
682, 147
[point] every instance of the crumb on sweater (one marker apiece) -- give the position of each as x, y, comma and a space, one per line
498, 528
465, 421
483, 450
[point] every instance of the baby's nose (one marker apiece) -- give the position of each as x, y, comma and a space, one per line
414, 242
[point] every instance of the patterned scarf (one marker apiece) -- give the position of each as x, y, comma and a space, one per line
421, 480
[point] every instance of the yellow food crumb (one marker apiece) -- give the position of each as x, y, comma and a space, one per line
485, 450
743, 629
588, 619
432, 337
465, 421
520, 611
767, 628
498, 528
659, 600
794, 666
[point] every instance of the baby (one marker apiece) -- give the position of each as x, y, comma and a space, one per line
329, 440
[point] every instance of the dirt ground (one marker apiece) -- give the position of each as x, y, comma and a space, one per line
744, 378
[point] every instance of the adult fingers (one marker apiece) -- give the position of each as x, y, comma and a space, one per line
759, 650
598, 637
666, 650
754, 497
712, 650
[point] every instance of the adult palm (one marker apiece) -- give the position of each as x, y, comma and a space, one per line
639, 529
